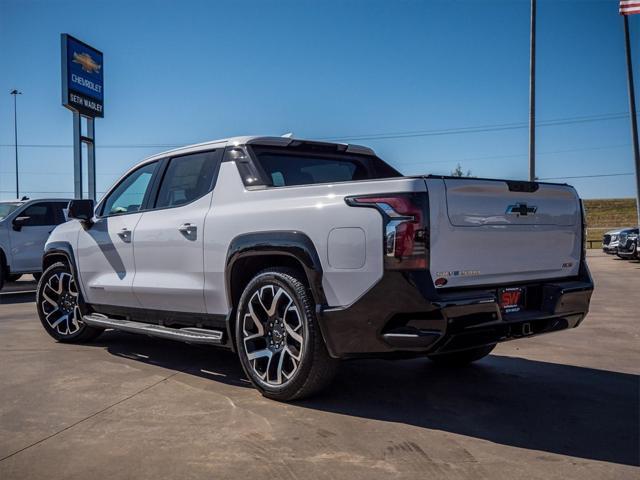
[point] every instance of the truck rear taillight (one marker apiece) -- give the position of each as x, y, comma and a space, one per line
405, 230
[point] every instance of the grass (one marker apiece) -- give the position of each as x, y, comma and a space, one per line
608, 214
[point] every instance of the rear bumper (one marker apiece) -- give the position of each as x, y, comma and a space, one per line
404, 313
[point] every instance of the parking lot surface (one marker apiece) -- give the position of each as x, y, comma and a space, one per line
564, 405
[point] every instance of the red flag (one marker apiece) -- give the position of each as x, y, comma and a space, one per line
629, 7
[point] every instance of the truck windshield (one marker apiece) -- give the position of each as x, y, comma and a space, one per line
7, 208
304, 166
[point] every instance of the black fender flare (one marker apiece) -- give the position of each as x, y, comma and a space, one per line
62, 249
289, 243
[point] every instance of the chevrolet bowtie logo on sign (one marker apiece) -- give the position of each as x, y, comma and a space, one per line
82, 77
86, 62
521, 209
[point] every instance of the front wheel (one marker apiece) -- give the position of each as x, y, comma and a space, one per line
278, 339
60, 306
464, 357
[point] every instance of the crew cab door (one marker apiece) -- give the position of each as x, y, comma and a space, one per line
105, 251
29, 232
169, 239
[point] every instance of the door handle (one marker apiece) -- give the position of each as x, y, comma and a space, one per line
125, 234
188, 229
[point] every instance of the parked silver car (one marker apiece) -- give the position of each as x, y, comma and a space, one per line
627, 244
25, 226
610, 241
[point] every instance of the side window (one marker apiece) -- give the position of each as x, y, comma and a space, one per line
128, 196
40, 214
187, 178
62, 212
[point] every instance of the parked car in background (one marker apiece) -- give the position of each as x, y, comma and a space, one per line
25, 226
297, 253
628, 244
610, 241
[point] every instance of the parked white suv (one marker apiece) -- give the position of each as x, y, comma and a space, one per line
296, 254
25, 226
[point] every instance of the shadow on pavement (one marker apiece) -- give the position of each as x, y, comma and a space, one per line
201, 361
12, 298
561, 409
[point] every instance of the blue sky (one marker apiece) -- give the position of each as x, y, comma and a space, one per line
190, 71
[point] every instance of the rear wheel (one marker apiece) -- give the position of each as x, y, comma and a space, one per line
277, 337
465, 357
60, 306
13, 277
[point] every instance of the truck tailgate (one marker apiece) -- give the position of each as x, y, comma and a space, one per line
486, 232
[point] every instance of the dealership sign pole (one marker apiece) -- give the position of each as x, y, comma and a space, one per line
629, 7
532, 94
83, 94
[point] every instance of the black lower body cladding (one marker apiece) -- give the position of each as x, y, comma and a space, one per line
404, 313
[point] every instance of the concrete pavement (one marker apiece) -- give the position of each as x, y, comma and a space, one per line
564, 405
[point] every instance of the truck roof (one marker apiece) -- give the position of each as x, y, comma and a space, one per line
258, 140
29, 200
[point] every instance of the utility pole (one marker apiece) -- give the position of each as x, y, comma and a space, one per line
632, 111
15, 94
532, 95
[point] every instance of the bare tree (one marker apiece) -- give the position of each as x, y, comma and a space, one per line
458, 172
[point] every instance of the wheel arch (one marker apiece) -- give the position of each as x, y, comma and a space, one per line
61, 251
251, 253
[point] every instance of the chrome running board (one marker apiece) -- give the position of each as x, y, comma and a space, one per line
188, 334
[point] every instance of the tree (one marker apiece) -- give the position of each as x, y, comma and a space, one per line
458, 172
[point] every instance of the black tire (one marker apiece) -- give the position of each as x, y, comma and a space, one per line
2, 274
462, 358
13, 277
290, 329
68, 303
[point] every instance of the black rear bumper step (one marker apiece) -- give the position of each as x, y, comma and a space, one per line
194, 335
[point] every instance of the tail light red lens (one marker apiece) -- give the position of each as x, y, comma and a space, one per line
405, 230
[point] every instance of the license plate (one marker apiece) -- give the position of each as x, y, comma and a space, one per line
511, 299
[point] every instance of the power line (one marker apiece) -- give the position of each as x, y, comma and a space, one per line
493, 157
600, 175
481, 128
393, 135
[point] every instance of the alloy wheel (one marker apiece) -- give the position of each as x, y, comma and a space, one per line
273, 333
60, 304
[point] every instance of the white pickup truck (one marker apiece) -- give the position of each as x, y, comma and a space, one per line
296, 254
25, 226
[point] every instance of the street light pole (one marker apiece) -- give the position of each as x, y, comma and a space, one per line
15, 94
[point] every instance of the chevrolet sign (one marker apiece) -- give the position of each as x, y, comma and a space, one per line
82, 77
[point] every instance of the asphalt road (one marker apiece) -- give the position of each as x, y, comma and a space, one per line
560, 406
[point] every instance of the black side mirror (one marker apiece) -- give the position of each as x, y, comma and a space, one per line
20, 222
81, 210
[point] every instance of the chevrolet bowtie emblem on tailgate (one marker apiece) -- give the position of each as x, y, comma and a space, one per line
521, 209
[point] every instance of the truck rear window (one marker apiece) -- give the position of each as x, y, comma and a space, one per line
301, 166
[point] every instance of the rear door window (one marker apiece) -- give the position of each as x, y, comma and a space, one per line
187, 178
61, 211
